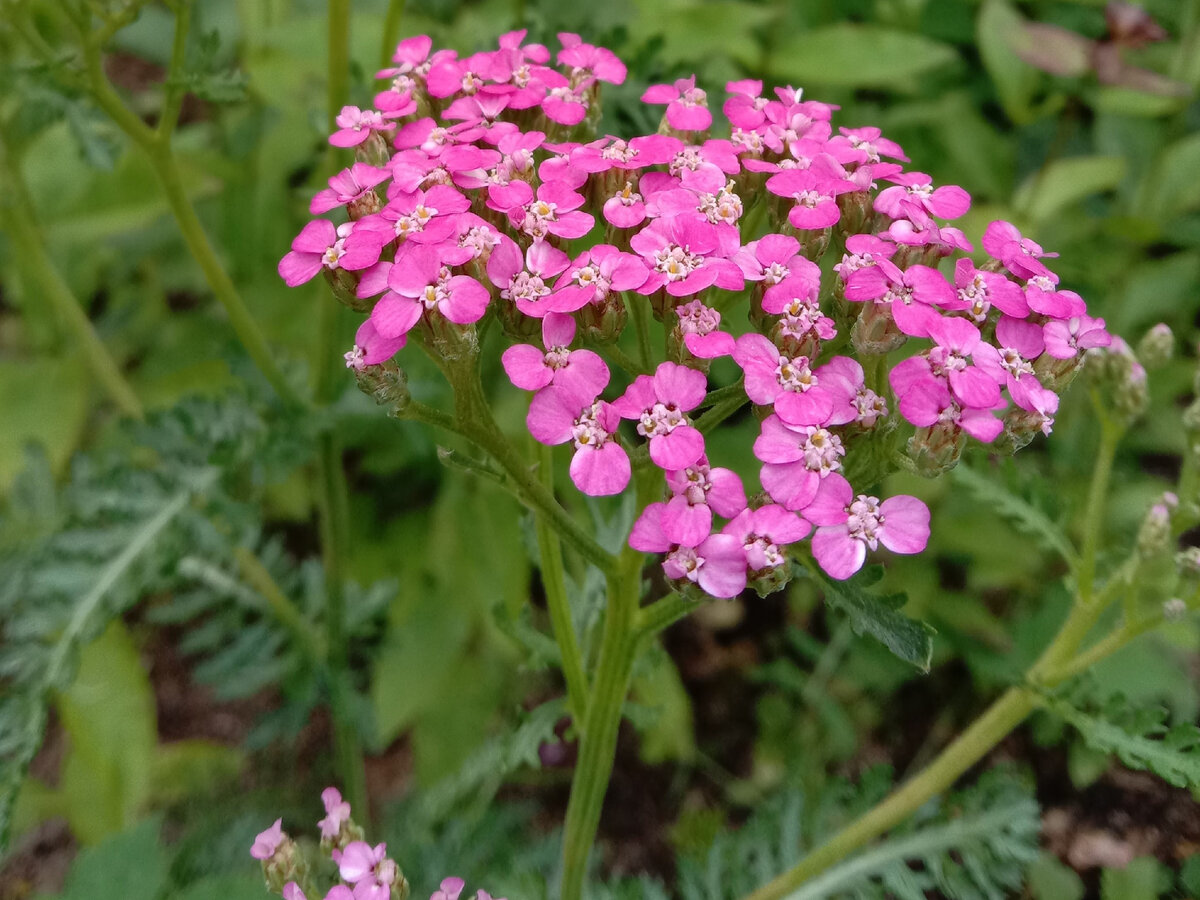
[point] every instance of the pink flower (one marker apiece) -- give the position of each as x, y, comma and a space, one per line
788, 384
580, 371
979, 291
368, 869
600, 466
914, 191
912, 293
687, 105
797, 459
863, 145
956, 340
699, 491
450, 889
660, 404
815, 194
852, 525
320, 245
347, 187
596, 273
267, 842
337, 812
1066, 338
698, 327
416, 282
764, 532
585, 58
355, 126
717, 565
683, 255
426, 217
526, 281
1020, 255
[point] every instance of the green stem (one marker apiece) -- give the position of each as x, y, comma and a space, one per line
166, 166
728, 401
639, 311
1110, 436
17, 213
554, 583
174, 91
598, 738
1056, 663
339, 57
624, 360
660, 615
391, 32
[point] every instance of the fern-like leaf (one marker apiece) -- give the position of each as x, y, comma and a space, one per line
1027, 517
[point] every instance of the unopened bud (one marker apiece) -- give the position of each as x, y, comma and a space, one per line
604, 321
386, 383
1191, 417
1156, 347
344, 284
1187, 561
936, 450
1155, 534
875, 331
1174, 609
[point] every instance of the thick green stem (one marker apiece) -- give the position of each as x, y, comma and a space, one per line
559, 605
598, 738
17, 215
660, 615
639, 311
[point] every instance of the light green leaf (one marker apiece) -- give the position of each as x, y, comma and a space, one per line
45, 402
1008, 505
1173, 188
852, 55
108, 716
1066, 181
1145, 878
667, 735
224, 887
1049, 879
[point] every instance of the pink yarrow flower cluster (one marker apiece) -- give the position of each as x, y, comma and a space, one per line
365, 872
477, 194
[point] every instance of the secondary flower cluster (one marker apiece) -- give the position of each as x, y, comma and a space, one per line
366, 872
477, 193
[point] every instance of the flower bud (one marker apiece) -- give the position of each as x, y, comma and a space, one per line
1191, 417
280, 857
875, 332
603, 322
1174, 609
344, 284
936, 450
1154, 536
387, 384
1156, 347
1187, 561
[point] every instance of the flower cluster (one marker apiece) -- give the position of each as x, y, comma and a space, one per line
478, 193
365, 872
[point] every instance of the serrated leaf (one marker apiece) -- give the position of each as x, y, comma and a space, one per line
852, 55
1172, 754
995, 498
879, 616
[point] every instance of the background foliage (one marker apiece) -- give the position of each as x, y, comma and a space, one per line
199, 521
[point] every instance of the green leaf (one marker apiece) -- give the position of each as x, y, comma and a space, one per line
1028, 518
1172, 188
668, 735
1065, 182
192, 768
128, 866
996, 31
1145, 878
223, 887
45, 402
1050, 879
880, 617
852, 55
108, 716
1141, 740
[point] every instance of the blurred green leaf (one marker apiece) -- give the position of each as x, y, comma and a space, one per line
1050, 879
996, 30
192, 768
131, 865
1066, 181
45, 401
223, 887
108, 716
854, 55
695, 32
1172, 187
667, 734
1145, 878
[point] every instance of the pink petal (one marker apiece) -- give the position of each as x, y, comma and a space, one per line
677, 450
837, 553
906, 524
526, 367
602, 472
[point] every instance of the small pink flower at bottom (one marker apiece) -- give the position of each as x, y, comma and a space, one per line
852, 525
292, 891
450, 889
267, 842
